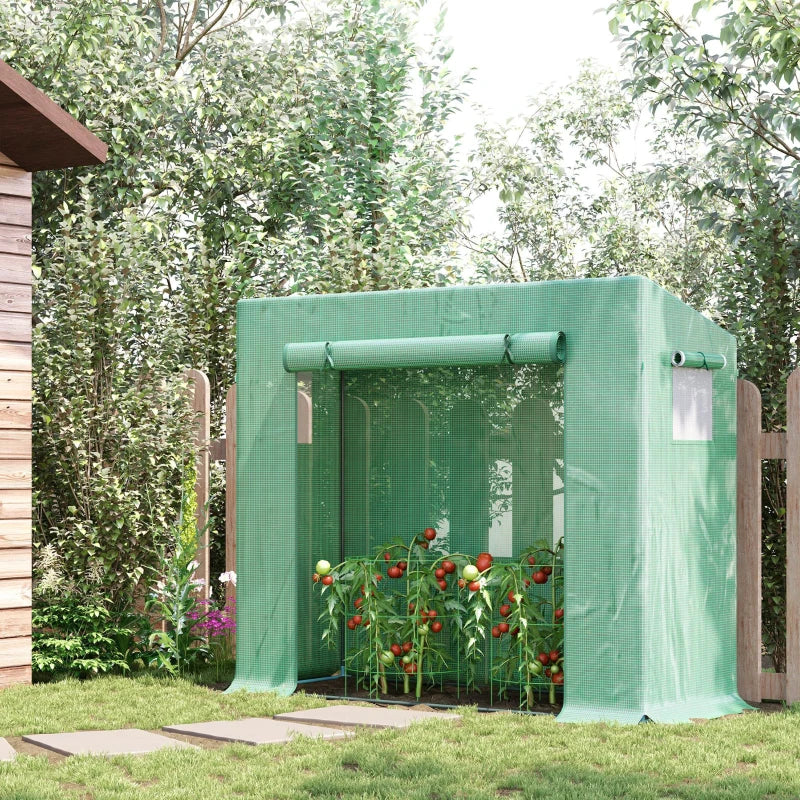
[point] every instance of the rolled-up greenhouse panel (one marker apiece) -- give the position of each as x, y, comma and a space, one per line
425, 351
681, 358
537, 348
305, 356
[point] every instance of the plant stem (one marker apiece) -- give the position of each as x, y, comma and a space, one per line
419, 666
382, 670
406, 684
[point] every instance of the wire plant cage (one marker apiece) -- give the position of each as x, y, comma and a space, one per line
599, 414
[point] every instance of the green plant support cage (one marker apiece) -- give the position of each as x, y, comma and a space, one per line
603, 411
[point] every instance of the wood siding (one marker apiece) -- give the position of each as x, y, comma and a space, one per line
15, 424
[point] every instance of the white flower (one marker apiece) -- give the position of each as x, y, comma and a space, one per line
198, 582
192, 565
228, 577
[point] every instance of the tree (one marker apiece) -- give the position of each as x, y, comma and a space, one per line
730, 74
249, 154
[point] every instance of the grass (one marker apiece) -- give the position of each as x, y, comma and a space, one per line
482, 756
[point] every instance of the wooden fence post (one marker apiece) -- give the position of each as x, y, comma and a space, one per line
230, 488
201, 404
793, 538
748, 541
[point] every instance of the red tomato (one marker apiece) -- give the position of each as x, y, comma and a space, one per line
394, 572
351, 624
396, 649
559, 613
474, 586
496, 632
547, 570
532, 560
440, 573
558, 678
358, 602
505, 610
423, 615
526, 582
436, 626
403, 565
423, 545
461, 583
449, 567
378, 576
407, 647
442, 584
315, 577
503, 627
387, 556
544, 658
429, 534
547, 673
327, 580
539, 577
511, 596
358, 619
411, 668
483, 562
515, 632
366, 623
411, 607
554, 655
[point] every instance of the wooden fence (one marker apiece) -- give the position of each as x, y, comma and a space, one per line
753, 445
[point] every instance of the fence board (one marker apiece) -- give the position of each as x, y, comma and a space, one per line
793, 538
15, 385
748, 541
230, 487
201, 403
15, 622
15, 593
16, 244
15, 474
773, 685
773, 444
15, 444
15, 327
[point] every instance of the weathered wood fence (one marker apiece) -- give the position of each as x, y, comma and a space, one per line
753, 445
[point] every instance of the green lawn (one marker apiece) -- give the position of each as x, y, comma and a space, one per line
483, 756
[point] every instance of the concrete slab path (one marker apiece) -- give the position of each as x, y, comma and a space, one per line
7, 752
364, 716
255, 730
128, 741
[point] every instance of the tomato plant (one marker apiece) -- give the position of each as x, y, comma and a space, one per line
405, 626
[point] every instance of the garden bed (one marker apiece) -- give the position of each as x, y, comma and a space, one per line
445, 695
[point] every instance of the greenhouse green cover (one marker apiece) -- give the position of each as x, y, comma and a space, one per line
648, 518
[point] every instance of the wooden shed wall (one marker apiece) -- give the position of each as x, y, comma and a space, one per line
15, 423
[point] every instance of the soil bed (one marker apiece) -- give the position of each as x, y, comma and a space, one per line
447, 695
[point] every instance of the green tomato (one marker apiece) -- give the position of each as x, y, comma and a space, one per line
387, 658
469, 573
423, 629
406, 659
555, 669
535, 667
323, 567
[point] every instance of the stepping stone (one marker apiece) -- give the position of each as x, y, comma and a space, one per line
129, 741
255, 731
7, 752
364, 716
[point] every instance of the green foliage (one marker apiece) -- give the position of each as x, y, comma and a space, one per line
77, 638
249, 153
729, 74
188, 515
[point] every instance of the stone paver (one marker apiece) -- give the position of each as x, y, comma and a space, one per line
363, 716
254, 730
7, 752
129, 741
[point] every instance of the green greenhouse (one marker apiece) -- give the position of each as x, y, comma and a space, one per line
597, 412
